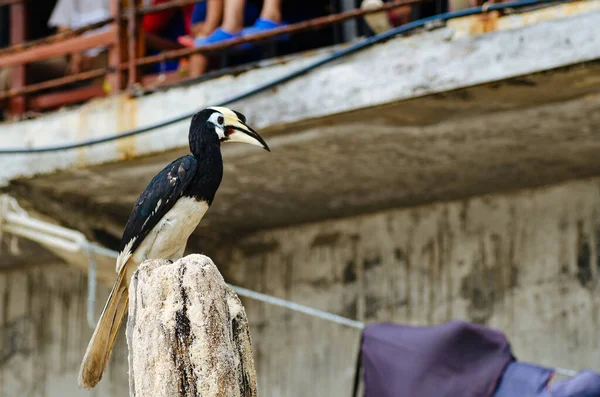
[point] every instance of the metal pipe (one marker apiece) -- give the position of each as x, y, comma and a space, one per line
74, 44
42, 238
55, 38
165, 6
56, 230
132, 41
56, 83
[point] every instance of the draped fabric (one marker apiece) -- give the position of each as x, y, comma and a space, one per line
456, 359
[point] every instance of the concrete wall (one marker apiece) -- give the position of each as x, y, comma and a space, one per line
43, 334
525, 262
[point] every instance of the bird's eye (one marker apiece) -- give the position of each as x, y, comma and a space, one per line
220, 120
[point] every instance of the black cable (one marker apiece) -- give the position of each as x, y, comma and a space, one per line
368, 42
358, 366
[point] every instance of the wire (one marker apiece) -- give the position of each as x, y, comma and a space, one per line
565, 372
334, 318
368, 42
92, 281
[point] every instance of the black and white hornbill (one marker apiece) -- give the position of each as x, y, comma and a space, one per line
164, 217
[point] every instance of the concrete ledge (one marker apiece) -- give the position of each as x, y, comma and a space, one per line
365, 134
432, 62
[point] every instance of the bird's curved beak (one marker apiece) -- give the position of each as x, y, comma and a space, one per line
238, 131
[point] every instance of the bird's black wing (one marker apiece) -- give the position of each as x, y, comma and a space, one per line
159, 197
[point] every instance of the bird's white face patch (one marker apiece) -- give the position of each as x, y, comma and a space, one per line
224, 111
218, 121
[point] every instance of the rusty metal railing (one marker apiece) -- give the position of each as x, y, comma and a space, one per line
125, 41
54, 38
315, 23
77, 32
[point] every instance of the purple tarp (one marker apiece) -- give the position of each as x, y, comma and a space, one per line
528, 380
524, 380
456, 359
584, 384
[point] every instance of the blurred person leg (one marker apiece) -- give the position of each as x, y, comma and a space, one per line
380, 22
216, 12
271, 11
233, 12
236, 14
270, 18
206, 18
214, 16
233, 19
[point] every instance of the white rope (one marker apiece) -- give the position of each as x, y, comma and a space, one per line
91, 299
297, 307
9, 205
92, 249
3, 213
101, 250
565, 372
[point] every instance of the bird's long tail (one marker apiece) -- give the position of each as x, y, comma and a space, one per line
105, 334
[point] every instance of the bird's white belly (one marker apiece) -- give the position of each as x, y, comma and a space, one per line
169, 237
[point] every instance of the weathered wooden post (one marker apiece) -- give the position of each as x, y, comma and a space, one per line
187, 333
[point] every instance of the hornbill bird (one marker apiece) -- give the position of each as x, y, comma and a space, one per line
164, 217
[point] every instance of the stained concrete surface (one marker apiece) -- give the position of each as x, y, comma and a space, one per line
438, 116
450, 58
435, 148
526, 263
509, 251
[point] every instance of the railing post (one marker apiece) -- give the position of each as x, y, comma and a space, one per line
18, 27
135, 41
115, 52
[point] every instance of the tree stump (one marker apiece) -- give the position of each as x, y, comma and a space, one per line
187, 332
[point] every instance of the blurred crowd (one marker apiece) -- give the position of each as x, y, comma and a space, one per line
196, 25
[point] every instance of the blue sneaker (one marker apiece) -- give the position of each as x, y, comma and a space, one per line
263, 25
219, 35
